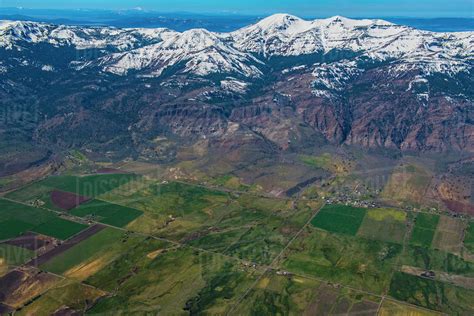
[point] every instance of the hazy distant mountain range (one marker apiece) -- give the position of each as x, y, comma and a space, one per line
181, 21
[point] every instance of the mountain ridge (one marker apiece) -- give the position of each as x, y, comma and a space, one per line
280, 84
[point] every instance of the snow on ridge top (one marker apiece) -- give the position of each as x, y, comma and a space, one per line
191, 40
351, 23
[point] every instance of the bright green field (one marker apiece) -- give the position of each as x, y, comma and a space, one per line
107, 213
340, 219
424, 230
16, 219
59, 228
12, 228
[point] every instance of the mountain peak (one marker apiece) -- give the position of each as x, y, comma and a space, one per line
279, 19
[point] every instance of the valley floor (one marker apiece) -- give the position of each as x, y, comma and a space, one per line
125, 241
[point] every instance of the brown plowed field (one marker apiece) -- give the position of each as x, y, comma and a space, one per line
67, 200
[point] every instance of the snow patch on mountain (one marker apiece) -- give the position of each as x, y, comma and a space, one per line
333, 76
200, 51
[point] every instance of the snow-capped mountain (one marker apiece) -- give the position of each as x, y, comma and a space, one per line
200, 51
246, 51
14, 34
283, 81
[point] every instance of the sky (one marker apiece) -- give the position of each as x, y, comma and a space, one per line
320, 8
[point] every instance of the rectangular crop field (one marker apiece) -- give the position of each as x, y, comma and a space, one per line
424, 230
91, 185
11, 228
340, 219
17, 219
107, 213
59, 228
384, 224
102, 246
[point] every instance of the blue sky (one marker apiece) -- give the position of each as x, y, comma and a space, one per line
354, 8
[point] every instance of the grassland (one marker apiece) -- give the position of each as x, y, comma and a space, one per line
392, 308
244, 225
432, 294
92, 254
449, 235
340, 219
64, 297
296, 295
408, 184
431, 259
175, 281
424, 230
360, 263
12, 255
469, 238
384, 224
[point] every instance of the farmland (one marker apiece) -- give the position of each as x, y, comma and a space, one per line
431, 294
469, 238
424, 231
17, 219
151, 246
107, 213
340, 219
359, 263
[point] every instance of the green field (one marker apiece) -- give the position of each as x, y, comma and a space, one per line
13, 255
66, 293
92, 186
360, 263
177, 281
432, 294
296, 295
469, 238
103, 246
16, 219
340, 219
424, 230
59, 228
244, 226
385, 225
431, 259
11, 228
107, 213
